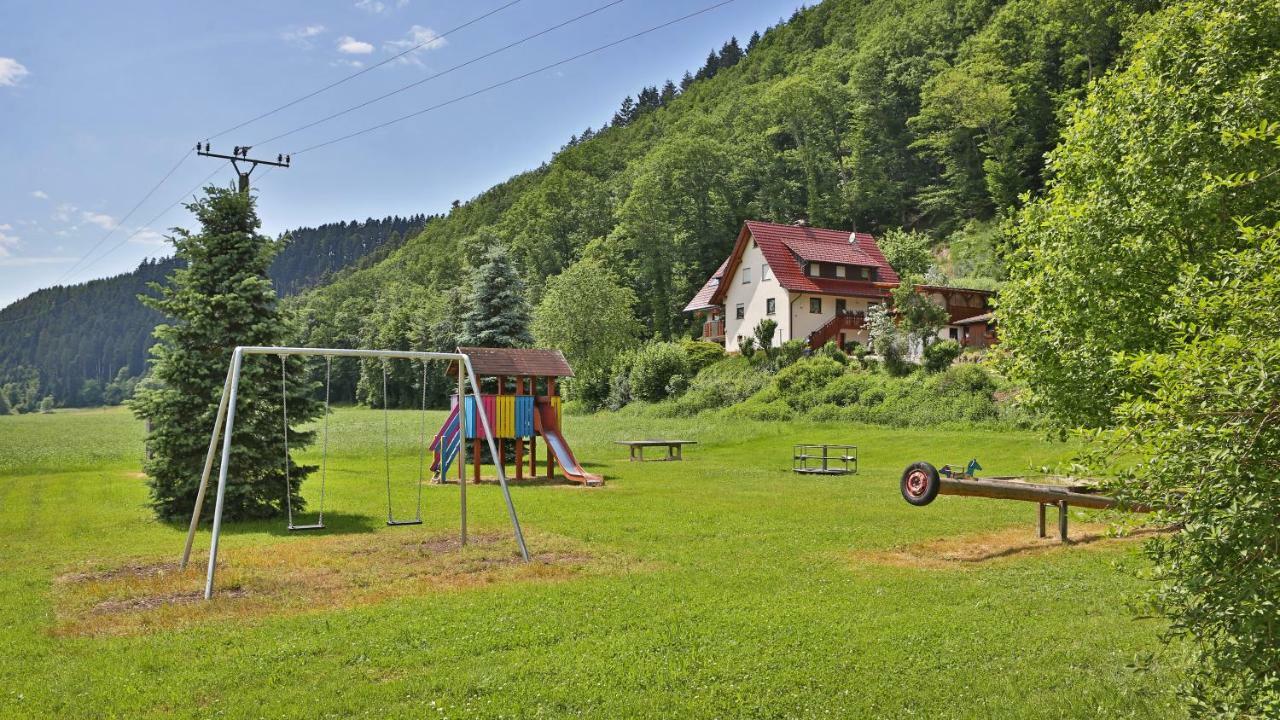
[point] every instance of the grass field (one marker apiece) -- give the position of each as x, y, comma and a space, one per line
723, 586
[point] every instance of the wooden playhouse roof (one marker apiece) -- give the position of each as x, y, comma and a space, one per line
511, 362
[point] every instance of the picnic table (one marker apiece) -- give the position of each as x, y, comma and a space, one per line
675, 448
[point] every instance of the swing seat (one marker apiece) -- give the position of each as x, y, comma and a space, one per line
317, 526
394, 523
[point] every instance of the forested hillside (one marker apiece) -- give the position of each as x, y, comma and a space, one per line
74, 342
933, 115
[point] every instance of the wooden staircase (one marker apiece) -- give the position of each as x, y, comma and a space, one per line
845, 321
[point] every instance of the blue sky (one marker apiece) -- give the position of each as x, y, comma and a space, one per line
98, 100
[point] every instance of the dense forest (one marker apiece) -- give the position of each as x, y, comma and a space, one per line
87, 344
933, 116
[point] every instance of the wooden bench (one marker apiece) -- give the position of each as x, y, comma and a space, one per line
675, 448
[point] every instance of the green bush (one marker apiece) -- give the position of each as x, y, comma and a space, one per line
966, 379
747, 347
653, 367
801, 384
939, 355
702, 353
677, 385
831, 351
620, 381
789, 353
719, 386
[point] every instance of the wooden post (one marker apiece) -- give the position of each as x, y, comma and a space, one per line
519, 440
1062, 521
1041, 523
551, 457
502, 383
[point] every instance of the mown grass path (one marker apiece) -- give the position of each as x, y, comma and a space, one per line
727, 586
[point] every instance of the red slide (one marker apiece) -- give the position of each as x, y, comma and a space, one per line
550, 430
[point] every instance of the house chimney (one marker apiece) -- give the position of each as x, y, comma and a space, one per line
800, 222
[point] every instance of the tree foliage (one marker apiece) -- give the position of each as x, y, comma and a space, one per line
218, 299
1208, 436
587, 315
1092, 263
497, 312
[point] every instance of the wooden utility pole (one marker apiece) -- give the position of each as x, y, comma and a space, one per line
241, 155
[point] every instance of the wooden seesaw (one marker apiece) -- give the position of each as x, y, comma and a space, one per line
922, 482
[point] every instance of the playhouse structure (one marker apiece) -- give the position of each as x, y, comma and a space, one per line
524, 405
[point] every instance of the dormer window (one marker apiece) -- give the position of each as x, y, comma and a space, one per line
813, 269
839, 271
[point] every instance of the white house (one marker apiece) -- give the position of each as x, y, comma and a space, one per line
817, 285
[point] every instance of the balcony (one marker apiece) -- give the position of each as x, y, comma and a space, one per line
713, 330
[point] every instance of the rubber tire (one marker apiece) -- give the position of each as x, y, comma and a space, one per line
932, 484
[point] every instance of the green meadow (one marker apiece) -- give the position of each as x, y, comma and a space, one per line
722, 586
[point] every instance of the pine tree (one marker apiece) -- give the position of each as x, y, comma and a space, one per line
730, 53
669, 93
220, 299
686, 81
755, 40
497, 314
649, 99
625, 113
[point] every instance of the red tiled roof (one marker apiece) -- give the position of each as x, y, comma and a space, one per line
787, 247
494, 362
845, 253
702, 300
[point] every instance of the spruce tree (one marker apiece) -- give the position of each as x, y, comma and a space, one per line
220, 299
497, 314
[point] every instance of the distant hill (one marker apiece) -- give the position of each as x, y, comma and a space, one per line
72, 341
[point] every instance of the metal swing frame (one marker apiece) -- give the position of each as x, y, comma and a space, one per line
225, 422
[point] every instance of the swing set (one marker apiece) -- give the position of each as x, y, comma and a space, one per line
225, 421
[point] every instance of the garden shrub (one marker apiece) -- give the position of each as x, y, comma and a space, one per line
966, 379
653, 367
747, 347
701, 354
938, 356
677, 386
801, 384
831, 351
790, 352
718, 386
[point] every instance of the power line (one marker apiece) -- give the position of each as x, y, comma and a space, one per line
511, 80
352, 76
159, 215
429, 78
122, 220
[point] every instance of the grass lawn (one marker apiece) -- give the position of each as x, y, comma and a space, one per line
723, 586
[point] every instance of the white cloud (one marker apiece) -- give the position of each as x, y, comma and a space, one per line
11, 71
147, 236
302, 35
102, 220
418, 39
63, 212
8, 243
352, 46
40, 194
373, 6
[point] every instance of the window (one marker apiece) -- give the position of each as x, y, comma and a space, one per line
746, 274
839, 271
770, 306
764, 272
813, 269
740, 311
841, 306
815, 305
955, 333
